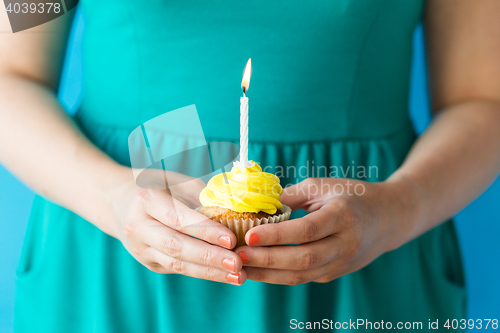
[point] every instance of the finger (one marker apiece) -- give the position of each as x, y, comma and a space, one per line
176, 215
299, 257
176, 266
182, 247
312, 227
279, 276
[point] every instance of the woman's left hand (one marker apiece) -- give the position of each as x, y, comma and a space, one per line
350, 223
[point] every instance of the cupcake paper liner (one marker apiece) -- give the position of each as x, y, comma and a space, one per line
241, 226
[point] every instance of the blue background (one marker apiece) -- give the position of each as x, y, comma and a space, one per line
478, 225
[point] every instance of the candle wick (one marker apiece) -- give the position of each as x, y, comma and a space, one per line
244, 91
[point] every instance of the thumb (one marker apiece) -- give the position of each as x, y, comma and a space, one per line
296, 196
188, 191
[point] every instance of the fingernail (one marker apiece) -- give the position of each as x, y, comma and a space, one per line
244, 257
225, 241
234, 278
253, 239
229, 264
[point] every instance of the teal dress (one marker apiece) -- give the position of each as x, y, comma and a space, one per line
330, 87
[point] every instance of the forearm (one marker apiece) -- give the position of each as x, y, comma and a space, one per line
451, 164
43, 147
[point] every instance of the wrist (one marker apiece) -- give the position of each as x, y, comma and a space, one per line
407, 209
114, 183
119, 192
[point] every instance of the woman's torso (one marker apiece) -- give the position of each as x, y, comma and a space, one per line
329, 86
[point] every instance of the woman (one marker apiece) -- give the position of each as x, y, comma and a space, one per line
103, 255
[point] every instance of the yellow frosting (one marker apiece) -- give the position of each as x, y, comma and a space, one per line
244, 190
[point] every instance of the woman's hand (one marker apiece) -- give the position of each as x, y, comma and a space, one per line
158, 228
350, 224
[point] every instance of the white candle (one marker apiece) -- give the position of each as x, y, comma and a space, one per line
245, 83
244, 132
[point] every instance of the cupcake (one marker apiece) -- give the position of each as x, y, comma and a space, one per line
244, 198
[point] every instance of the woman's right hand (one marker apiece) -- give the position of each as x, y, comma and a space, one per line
164, 234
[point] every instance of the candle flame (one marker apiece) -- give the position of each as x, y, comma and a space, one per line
245, 83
